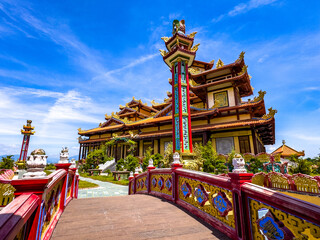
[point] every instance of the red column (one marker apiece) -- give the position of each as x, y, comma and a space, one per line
188, 101
180, 107
237, 179
173, 111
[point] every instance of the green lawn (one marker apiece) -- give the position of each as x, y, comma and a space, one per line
106, 179
85, 184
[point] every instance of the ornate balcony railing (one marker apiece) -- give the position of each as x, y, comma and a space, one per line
231, 204
38, 204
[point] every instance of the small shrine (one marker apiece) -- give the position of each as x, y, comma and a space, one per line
286, 151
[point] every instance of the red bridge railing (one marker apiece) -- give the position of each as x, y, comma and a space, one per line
38, 204
231, 204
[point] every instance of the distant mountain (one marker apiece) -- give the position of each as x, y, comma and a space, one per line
49, 159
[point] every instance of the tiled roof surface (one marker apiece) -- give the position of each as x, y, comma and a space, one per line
286, 151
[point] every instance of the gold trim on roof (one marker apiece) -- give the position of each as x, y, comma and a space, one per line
260, 97
193, 83
194, 70
191, 35
241, 56
163, 52
243, 70
219, 63
212, 61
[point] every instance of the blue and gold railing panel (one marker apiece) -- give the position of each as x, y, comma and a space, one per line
268, 222
51, 205
6, 194
161, 183
141, 184
211, 199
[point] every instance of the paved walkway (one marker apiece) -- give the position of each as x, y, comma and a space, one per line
129, 217
105, 189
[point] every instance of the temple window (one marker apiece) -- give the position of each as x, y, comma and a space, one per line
221, 98
224, 145
244, 144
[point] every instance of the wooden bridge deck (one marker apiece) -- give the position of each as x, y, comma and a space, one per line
130, 217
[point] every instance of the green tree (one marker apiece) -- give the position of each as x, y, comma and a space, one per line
255, 165
7, 162
121, 165
168, 156
231, 156
211, 161
131, 163
302, 165
157, 160
96, 157
147, 156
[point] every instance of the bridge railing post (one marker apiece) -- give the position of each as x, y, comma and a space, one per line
175, 184
149, 178
237, 179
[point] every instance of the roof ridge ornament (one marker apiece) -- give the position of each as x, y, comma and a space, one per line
270, 114
163, 52
260, 97
219, 63
165, 39
195, 47
191, 35
241, 56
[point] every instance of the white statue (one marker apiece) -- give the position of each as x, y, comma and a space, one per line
64, 155
73, 163
150, 162
35, 164
238, 164
176, 158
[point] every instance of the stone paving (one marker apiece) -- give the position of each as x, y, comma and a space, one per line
130, 217
105, 189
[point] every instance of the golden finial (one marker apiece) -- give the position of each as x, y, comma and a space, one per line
133, 98
170, 80
79, 130
120, 106
191, 35
283, 142
112, 114
165, 39
212, 62
107, 116
219, 63
163, 52
195, 47
241, 56
168, 93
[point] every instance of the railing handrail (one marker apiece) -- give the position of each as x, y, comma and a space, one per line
16, 214
282, 201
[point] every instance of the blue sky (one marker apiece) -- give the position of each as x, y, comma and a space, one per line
64, 64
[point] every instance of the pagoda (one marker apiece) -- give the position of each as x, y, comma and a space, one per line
205, 103
286, 151
27, 131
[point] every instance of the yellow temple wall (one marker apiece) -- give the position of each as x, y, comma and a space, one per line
231, 98
223, 119
141, 148
162, 141
149, 129
94, 137
166, 127
244, 116
201, 122
106, 135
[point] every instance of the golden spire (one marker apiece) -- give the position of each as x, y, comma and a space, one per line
241, 56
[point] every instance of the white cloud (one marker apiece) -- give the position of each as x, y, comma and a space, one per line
243, 8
